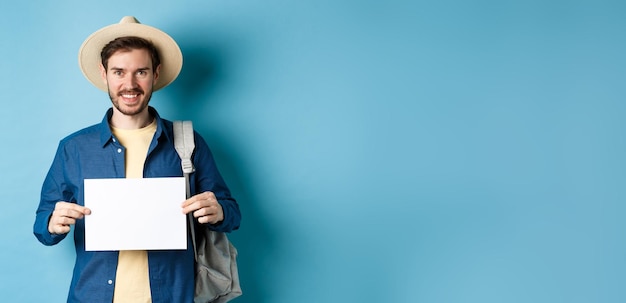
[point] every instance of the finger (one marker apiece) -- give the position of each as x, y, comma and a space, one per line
212, 215
191, 200
64, 221
206, 199
205, 211
72, 208
70, 213
189, 208
202, 197
205, 220
60, 225
59, 229
211, 219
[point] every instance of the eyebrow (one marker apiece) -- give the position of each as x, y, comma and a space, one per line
122, 69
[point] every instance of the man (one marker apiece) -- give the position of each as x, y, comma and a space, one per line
129, 60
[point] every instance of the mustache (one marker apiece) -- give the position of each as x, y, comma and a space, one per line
131, 91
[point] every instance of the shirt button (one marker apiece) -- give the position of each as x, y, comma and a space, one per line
119, 150
110, 282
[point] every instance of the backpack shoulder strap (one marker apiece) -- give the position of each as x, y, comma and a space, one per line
184, 144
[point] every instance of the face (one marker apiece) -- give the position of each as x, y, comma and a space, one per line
130, 78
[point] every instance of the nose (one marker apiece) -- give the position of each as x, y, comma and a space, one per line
130, 82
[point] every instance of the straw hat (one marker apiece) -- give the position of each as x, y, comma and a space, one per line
89, 53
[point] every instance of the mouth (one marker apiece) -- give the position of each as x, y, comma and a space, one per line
130, 96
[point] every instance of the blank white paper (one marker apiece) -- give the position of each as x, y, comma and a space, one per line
135, 214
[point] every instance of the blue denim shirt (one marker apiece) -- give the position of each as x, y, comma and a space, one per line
94, 152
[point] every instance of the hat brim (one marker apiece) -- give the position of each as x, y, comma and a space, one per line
89, 58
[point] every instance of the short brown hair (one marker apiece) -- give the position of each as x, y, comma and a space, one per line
129, 43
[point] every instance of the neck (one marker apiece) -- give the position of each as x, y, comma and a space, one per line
140, 120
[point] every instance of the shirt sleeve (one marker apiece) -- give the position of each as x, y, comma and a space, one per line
54, 189
208, 178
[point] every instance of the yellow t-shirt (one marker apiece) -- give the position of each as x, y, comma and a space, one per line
132, 278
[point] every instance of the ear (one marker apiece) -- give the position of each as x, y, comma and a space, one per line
156, 74
103, 73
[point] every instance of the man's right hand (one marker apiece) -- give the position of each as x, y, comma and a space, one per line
64, 215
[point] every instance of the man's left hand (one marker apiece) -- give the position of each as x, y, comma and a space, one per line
204, 207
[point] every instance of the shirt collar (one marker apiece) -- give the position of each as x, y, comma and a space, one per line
106, 135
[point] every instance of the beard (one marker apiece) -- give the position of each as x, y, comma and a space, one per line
130, 111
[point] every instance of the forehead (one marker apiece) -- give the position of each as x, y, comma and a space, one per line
128, 59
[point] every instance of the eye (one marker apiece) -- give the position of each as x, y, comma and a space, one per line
142, 73
117, 72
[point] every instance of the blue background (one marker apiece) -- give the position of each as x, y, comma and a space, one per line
381, 151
